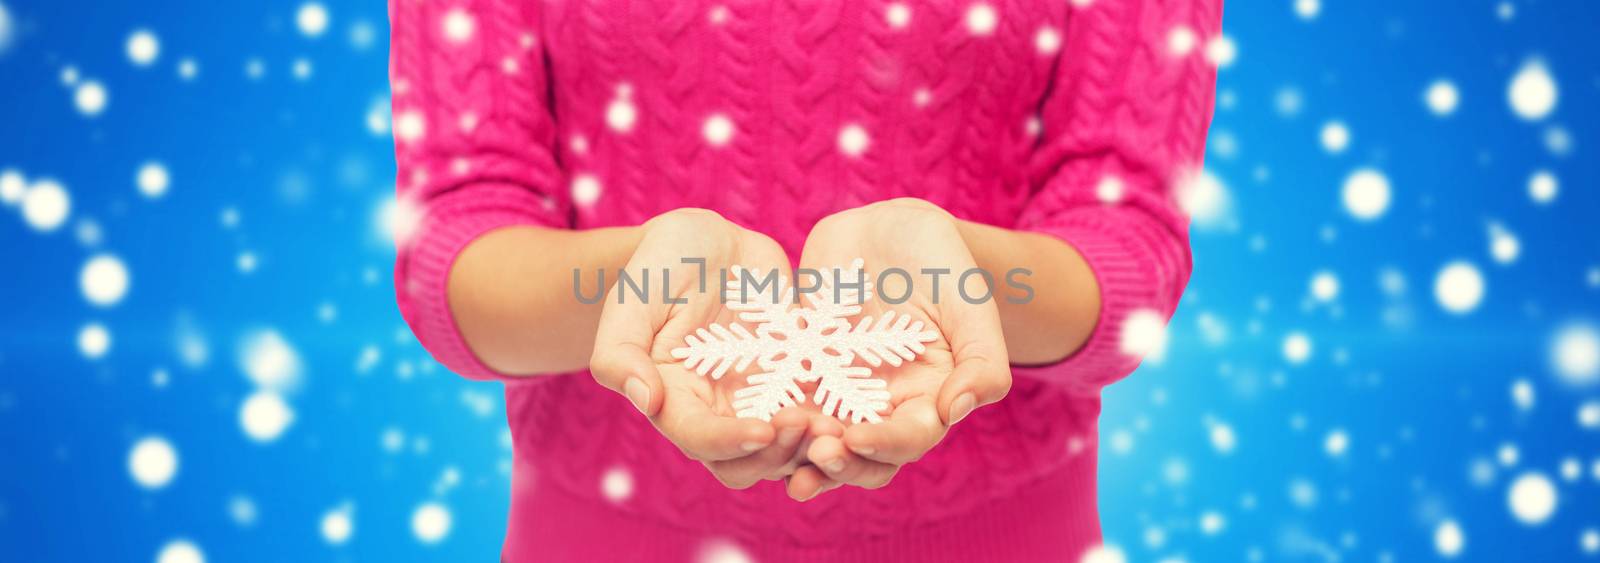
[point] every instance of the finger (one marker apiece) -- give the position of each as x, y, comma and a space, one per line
838, 464
982, 371
806, 483
824, 425
621, 359
706, 436
789, 426
909, 431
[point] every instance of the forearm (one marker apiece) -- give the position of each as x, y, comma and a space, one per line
511, 292
1066, 296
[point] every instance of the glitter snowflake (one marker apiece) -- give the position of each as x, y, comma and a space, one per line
818, 344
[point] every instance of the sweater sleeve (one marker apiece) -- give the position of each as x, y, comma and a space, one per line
474, 148
1124, 123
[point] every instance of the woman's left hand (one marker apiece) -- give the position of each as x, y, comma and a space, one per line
966, 367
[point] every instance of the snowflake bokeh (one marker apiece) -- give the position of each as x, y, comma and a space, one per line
1389, 350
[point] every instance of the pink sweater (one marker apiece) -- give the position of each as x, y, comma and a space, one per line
1074, 118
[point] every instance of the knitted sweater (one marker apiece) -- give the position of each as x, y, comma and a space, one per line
1074, 118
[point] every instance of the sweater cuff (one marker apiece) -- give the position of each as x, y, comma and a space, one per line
422, 279
1128, 284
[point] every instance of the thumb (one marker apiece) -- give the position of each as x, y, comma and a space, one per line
982, 373
621, 359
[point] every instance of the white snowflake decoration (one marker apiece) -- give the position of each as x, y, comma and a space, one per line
794, 345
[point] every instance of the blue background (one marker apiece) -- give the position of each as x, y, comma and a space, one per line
305, 164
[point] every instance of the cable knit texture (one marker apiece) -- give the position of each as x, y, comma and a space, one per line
1078, 119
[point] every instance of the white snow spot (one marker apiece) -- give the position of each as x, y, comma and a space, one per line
981, 19
255, 68
152, 179
1557, 140
585, 190
1543, 187
898, 15
1335, 137
1221, 51
458, 25
153, 462
90, 97
621, 114
188, 68
246, 262
264, 416
1212, 522
398, 219
1448, 539
1297, 348
1505, 11
1144, 334
1105, 553
242, 510
1181, 40
1110, 189
1302, 493
301, 69
143, 47
1442, 97
720, 551
1532, 498
1366, 194
430, 522
1047, 41
410, 126
718, 15
853, 139
13, 185
45, 205
1336, 443
1532, 92
1223, 438
1589, 415
180, 551
1307, 9
1203, 196
1589, 541
718, 130
617, 484
338, 524
1459, 287
269, 361
1522, 394
312, 19
94, 341
7, 35
1508, 454
1324, 286
104, 280
1575, 354
1503, 244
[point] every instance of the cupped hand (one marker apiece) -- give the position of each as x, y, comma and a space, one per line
632, 350
966, 367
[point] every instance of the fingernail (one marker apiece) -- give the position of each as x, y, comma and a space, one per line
788, 437
833, 466
751, 446
962, 407
864, 450
638, 393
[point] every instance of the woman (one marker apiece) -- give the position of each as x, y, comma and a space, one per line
536, 138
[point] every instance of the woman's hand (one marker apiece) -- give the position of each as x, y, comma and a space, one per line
965, 368
632, 352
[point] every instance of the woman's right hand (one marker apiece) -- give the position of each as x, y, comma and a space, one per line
632, 348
